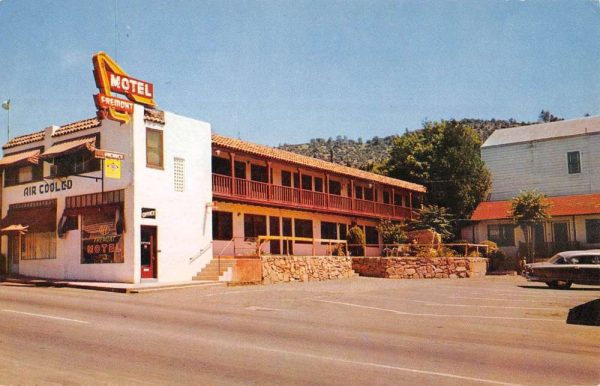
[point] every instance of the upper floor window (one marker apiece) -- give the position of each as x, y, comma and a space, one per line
306, 182
318, 184
22, 174
154, 148
82, 161
259, 173
221, 166
574, 162
335, 187
286, 178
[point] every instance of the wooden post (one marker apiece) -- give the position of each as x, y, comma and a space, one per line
410, 204
232, 157
393, 202
269, 179
352, 204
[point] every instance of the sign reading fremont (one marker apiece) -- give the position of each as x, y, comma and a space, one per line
111, 78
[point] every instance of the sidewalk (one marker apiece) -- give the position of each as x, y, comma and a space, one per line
130, 288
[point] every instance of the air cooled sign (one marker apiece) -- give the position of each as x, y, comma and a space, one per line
110, 78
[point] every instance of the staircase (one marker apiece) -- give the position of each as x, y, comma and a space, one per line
214, 269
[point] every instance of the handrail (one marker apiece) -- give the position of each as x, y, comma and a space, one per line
261, 239
202, 252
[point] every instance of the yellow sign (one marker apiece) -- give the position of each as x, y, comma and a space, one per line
112, 168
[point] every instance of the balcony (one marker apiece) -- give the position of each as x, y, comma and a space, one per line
226, 187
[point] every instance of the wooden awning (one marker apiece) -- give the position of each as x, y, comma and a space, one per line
33, 219
69, 147
14, 229
27, 157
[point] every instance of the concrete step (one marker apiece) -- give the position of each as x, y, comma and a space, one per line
215, 268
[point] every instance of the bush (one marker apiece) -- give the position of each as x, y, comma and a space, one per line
356, 240
492, 247
392, 233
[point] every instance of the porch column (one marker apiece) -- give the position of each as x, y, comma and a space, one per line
352, 203
232, 158
393, 202
299, 187
410, 204
269, 192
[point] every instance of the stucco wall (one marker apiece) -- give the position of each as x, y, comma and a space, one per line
419, 268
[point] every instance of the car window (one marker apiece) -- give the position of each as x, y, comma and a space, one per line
585, 259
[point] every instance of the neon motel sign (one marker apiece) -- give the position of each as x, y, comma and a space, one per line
110, 78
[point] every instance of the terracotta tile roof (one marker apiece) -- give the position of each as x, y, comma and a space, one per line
77, 126
301, 160
152, 115
24, 139
561, 206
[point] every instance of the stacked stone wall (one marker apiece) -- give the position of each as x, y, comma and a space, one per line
419, 268
279, 269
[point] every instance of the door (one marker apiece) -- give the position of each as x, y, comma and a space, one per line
275, 245
14, 252
148, 252
560, 232
539, 240
288, 245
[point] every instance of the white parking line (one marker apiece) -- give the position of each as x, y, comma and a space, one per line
496, 299
387, 367
46, 316
479, 306
435, 315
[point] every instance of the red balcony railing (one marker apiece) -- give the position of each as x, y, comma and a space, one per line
260, 192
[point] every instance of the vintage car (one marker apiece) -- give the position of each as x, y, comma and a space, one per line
566, 268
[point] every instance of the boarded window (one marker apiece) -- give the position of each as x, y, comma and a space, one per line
222, 225
179, 174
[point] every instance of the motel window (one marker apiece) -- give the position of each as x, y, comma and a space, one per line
40, 245
335, 187
101, 238
369, 194
21, 175
240, 169
502, 234
154, 148
328, 230
259, 173
386, 197
82, 161
371, 236
592, 230
286, 178
398, 200
221, 166
222, 225
343, 231
296, 180
358, 192
303, 228
306, 182
318, 184
574, 162
254, 226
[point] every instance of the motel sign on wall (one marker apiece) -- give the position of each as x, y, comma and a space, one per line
110, 78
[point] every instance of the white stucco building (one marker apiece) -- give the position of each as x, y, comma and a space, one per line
63, 217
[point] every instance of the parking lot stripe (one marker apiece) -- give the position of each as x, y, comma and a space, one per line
387, 367
45, 316
435, 315
479, 306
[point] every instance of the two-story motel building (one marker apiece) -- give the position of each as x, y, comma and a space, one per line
184, 195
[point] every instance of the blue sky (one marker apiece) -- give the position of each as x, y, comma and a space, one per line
287, 71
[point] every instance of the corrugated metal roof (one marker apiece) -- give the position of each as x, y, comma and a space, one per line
301, 160
542, 131
560, 206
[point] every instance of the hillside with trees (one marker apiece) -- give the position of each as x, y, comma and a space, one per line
369, 154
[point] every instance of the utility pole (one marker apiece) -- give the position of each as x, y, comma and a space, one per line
6, 106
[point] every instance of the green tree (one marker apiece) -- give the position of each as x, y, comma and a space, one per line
445, 157
437, 218
527, 209
356, 240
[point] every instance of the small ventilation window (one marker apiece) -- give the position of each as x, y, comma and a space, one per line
179, 174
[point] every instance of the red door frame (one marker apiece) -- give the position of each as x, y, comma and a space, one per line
149, 271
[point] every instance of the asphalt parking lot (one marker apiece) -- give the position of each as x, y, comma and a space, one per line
492, 330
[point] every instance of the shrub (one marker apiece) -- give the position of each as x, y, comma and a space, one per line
356, 240
392, 233
492, 246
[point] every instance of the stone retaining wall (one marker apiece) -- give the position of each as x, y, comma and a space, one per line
419, 268
279, 269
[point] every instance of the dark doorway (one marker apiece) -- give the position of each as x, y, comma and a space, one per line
561, 236
148, 252
539, 240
